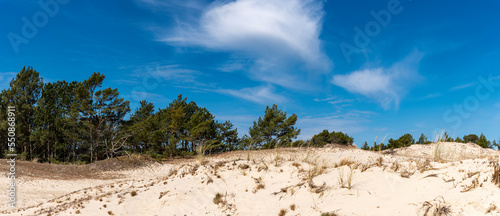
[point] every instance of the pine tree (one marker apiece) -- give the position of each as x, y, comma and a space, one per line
483, 142
422, 139
274, 128
365, 146
25, 90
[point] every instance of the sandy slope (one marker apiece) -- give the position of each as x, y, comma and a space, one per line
403, 182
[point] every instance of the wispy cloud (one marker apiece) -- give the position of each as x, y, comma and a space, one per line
350, 122
157, 98
5, 79
158, 74
276, 34
387, 86
432, 95
262, 95
467, 85
338, 102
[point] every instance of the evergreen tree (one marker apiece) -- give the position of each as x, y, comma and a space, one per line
471, 138
25, 90
274, 129
422, 139
496, 144
483, 142
365, 146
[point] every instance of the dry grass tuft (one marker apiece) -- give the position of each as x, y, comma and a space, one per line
492, 208
296, 164
328, 214
395, 166
345, 178
345, 162
380, 161
219, 199
424, 166
406, 174
282, 212
317, 189
243, 166
258, 187
315, 171
495, 178
365, 167
436, 207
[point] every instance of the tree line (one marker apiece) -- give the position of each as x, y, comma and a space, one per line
84, 122
407, 140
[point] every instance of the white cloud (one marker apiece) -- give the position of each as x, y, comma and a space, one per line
387, 86
276, 34
261, 95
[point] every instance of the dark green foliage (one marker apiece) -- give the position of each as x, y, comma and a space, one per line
274, 129
495, 144
25, 90
365, 146
458, 140
422, 139
471, 138
379, 147
403, 141
326, 137
84, 122
446, 138
483, 142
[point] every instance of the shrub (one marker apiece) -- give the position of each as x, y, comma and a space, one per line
325, 137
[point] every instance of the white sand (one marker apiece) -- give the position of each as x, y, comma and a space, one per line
460, 182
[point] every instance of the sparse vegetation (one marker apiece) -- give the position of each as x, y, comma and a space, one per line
282, 212
292, 207
345, 162
258, 187
345, 178
436, 207
219, 199
133, 193
495, 178
328, 214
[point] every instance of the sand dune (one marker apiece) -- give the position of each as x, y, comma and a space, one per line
446, 178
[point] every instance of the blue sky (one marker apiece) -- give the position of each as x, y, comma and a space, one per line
368, 68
